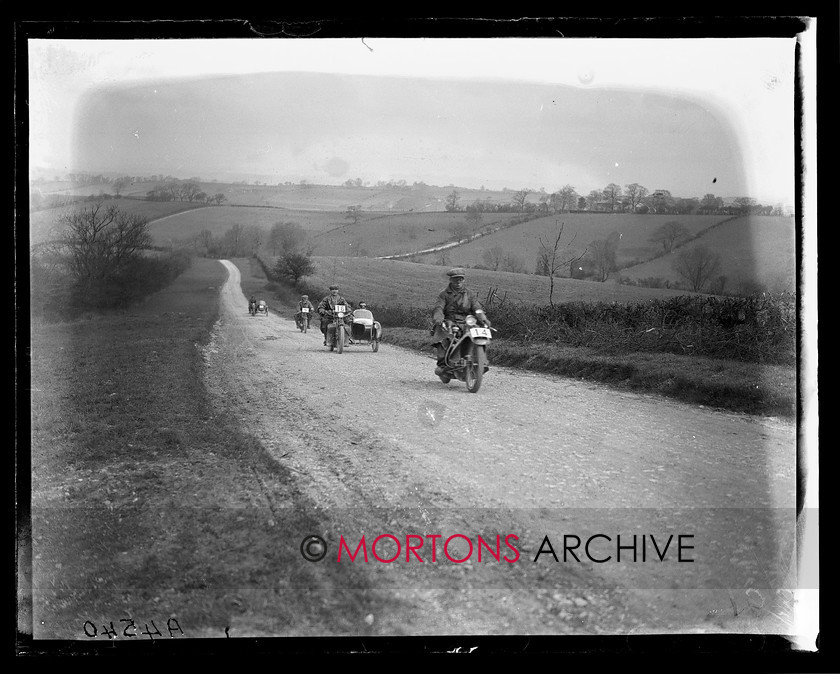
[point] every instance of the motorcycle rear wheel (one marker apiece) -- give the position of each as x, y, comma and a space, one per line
475, 368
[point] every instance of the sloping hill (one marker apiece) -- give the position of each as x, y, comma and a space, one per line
752, 250
579, 231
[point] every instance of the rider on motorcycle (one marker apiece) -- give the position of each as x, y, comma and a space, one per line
453, 304
327, 305
304, 303
252, 303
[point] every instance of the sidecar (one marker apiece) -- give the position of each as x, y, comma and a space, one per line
262, 308
365, 330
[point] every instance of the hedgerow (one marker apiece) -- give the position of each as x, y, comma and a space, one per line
759, 329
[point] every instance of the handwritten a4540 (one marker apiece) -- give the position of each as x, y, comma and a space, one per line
130, 629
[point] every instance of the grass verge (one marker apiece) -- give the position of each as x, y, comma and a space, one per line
147, 504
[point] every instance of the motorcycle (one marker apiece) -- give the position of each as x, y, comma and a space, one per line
302, 319
337, 328
466, 354
252, 308
262, 308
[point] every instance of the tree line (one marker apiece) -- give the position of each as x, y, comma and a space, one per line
633, 198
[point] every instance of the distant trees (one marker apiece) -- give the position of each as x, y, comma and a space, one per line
451, 203
492, 257
612, 194
460, 229
697, 266
513, 263
474, 220
602, 253
635, 195
564, 199
668, 234
353, 213
286, 237
519, 198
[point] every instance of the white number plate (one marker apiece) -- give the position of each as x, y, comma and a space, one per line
481, 332
339, 308
305, 310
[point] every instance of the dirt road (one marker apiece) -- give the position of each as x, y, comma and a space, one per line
383, 449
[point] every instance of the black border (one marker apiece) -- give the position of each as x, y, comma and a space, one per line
758, 652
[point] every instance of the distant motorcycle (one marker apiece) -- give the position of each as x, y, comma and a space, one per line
252, 308
262, 308
466, 355
302, 319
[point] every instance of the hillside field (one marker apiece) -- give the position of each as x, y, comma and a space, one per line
44, 224
392, 282
755, 251
579, 230
752, 249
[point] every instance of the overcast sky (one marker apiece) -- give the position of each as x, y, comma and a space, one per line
692, 116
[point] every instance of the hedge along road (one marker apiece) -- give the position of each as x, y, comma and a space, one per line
598, 511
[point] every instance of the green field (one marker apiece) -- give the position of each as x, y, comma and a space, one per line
757, 252
752, 249
579, 230
44, 224
392, 282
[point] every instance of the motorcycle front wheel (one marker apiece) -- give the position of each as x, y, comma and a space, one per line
305, 325
339, 338
475, 368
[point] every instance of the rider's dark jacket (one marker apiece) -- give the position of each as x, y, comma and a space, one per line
305, 303
453, 305
328, 304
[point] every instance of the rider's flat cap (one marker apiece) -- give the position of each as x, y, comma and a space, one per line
456, 271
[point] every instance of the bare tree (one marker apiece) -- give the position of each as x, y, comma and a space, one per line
353, 213
564, 199
697, 266
602, 254
98, 243
452, 201
668, 234
474, 220
460, 229
121, 183
550, 262
592, 199
520, 197
612, 194
635, 193
513, 262
286, 237
493, 257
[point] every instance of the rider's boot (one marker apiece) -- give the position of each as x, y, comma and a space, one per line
441, 362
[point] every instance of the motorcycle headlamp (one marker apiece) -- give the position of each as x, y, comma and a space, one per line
470, 321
